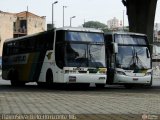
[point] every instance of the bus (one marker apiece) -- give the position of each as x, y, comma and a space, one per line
61, 55
156, 59
156, 55
128, 59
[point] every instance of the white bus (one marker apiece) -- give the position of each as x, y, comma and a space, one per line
128, 59
156, 55
61, 55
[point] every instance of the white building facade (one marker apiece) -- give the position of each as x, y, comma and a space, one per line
113, 23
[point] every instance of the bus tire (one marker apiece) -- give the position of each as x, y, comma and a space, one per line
49, 78
128, 86
149, 85
17, 83
13, 76
41, 84
100, 85
84, 85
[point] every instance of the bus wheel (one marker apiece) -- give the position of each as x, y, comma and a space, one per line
128, 86
13, 83
149, 85
79, 85
49, 78
85, 85
17, 83
100, 85
41, 84
13, 76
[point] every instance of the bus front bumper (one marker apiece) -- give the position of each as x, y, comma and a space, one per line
85, 78
123, 79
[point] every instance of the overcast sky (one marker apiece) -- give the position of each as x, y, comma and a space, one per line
84, 10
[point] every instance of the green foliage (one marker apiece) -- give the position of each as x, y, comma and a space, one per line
96, 24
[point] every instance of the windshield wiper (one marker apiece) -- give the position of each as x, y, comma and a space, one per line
92, 59
82, 60
132, 63
139, 61
136, 62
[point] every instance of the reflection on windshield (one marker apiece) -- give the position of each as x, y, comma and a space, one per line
84, 36
85, 55
130, 39
132, 57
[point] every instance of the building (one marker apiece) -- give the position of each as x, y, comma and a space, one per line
157, 26
14, 25
113, 23
6, 27
157, 32
158, 37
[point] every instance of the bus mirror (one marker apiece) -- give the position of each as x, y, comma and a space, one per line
115, 47
112, 65
147, 51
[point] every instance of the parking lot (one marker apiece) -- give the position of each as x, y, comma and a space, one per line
109, 103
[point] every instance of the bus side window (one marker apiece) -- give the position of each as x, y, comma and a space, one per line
50, 40
21, 46
59, 49
39, 44
29, 45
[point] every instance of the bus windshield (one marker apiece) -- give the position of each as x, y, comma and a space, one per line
133, 57
80, 49
85, 55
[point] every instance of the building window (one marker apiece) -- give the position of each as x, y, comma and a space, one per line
14, 26
23, 25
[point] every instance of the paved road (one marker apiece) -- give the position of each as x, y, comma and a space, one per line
110, 103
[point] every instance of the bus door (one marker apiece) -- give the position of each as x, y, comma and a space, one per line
110, 64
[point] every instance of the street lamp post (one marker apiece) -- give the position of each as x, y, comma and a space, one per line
63, 14
71, 20
52, 13
123, 20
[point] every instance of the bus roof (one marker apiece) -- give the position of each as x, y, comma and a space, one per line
124, 33
62, 28
80, 29
27, 36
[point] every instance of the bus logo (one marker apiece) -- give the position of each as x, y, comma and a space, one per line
49, 55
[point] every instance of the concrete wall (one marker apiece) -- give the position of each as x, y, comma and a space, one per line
35, 25
141, 15
6, 28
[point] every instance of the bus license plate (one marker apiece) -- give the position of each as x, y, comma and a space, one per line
135, 78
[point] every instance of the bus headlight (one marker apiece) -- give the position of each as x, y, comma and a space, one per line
102, 70
70, 71
148, 73
120, 73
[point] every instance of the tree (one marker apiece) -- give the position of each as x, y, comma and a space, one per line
96, 24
